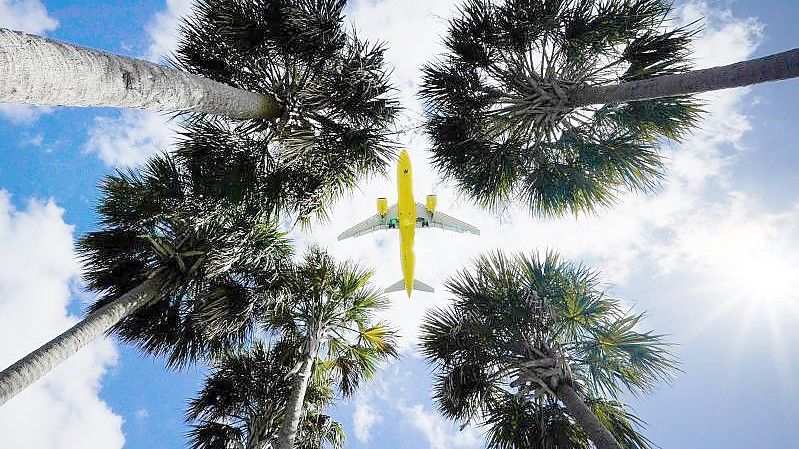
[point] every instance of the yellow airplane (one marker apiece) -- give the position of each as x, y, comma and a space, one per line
406, 216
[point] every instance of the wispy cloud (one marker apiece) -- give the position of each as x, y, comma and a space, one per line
440, 433
26, 15
163, 29
364, 418
130, 138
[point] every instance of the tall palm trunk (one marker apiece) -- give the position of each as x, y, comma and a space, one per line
37, 70
770, 68
291, 421
35, 365
596, 431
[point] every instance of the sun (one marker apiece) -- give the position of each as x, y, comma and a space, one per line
748, 280
766, 277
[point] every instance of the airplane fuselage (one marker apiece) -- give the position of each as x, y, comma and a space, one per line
406, 214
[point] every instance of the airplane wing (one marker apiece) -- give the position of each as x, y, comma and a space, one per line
371, 224
441, 220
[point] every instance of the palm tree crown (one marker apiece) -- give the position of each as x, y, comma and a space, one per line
243, 399
205, 252
333, 89
335, 304
500, 111
229, 161
519, 329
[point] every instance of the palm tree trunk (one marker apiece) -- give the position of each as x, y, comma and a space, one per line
770, 68
37, 70
597, 432
291, 420
35, 365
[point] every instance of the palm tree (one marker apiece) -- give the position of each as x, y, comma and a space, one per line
174, 266
534, 351
244, 397
557, 105
329, 308
224, 178
258, 171
184, 244
284, 61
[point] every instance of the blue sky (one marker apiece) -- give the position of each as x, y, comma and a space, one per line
712, 256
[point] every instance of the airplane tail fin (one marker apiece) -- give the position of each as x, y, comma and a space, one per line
418, 285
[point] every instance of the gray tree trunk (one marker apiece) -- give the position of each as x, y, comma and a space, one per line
35, 365
287, 433
37, 70
770, 68
597, 432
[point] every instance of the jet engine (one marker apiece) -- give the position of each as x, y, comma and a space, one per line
431, 203
382, 206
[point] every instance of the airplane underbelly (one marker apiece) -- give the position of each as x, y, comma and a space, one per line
407, 256
406, 213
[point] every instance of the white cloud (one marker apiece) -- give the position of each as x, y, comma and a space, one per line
142, 413
32, 17
26, 15
130, 138
364, 418
413, 30
37, 267
163, 29
721, 28
440, 433
22, 114
748, 251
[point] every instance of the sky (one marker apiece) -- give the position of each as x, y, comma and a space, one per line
711, 257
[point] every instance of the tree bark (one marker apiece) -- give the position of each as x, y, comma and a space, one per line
770, 68
291, 420
42, 71
597, 432
35, 365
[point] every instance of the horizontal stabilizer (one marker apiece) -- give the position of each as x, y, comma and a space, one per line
422, 287
399, 286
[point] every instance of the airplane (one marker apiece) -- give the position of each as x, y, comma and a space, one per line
406, 216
